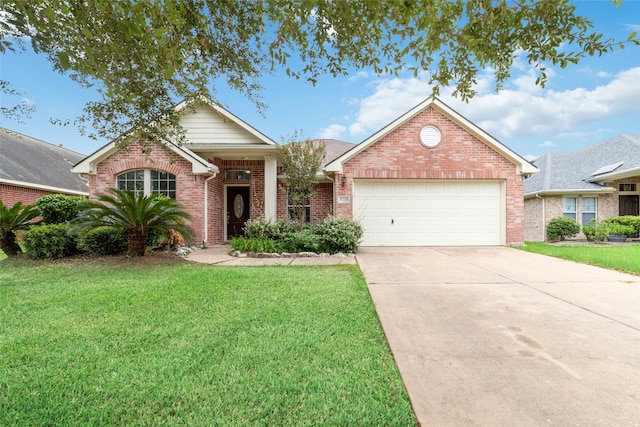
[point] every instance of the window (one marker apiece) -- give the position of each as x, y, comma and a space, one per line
148, 181
627, 187
588, 209
236, 175
292, 211
569, 207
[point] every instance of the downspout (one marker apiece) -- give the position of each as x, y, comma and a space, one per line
206, 208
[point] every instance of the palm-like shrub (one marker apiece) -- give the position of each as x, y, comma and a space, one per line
136, 214
15, 218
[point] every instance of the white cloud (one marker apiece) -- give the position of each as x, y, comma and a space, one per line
521, 109
333, 132
531, 157
547, 144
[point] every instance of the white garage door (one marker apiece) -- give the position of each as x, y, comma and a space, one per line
428, 213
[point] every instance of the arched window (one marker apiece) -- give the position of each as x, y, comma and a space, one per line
148, 181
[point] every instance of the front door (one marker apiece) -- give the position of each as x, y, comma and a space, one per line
628, 205
237, 210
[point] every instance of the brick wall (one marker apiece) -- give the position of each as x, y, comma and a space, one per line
459, 155
321, 204
189, 187
11, 194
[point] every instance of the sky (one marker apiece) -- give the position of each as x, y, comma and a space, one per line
581, 105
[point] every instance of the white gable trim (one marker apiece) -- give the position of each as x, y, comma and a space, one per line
523, 166
199, 166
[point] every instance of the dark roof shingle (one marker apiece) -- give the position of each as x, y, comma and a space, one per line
34, 162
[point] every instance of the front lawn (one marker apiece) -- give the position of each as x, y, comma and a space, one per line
622, 257
87, 342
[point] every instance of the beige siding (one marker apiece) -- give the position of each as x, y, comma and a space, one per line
206, 126
533, 220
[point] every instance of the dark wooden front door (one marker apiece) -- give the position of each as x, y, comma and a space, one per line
237, 210
628, 205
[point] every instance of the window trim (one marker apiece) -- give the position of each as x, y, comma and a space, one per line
567, 213
307, 212
594, 212
147, 182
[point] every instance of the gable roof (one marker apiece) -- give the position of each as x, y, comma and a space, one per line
200, 166
586, 170
524, 167
30, 162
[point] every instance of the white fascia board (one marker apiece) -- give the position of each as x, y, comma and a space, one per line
42, 187
570, 192
89, 164
629, 173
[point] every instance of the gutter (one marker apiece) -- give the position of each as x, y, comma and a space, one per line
43, 187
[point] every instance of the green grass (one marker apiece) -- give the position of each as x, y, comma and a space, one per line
86, 343
621, 257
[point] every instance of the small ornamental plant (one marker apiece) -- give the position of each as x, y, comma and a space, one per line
562, 227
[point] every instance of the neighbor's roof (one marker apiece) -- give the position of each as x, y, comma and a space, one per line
32, 163
586, 170
335, 148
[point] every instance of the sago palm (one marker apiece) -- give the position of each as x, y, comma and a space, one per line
134, 214
15, 218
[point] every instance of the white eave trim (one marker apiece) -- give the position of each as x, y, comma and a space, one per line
199, 166
523, 166
570, 192
43, 187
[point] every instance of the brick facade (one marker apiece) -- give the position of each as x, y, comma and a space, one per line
459, 156
189, 187
11, 194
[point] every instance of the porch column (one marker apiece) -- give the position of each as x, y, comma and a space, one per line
270, 187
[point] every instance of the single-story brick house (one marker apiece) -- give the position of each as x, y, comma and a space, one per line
31, 168
599, 181
430, 177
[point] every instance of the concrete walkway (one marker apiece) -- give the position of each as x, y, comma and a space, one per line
501, 337
219, 255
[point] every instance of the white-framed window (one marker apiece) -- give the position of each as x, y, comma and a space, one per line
148, 181
589, 209
570, 207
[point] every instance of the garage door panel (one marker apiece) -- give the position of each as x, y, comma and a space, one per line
424, 213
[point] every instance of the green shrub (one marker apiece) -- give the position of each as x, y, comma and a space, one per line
301, 241
631, 223
49, 241
562, 227
59, 208
261, 229
253, 245
339, 234
103, 241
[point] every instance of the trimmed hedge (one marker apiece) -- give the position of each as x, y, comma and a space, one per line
562, 227
103, 241
59, 208
49, 241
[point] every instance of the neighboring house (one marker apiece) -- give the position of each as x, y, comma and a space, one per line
599, 181
30, 169
430, 177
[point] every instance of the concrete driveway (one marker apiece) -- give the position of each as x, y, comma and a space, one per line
501, 337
